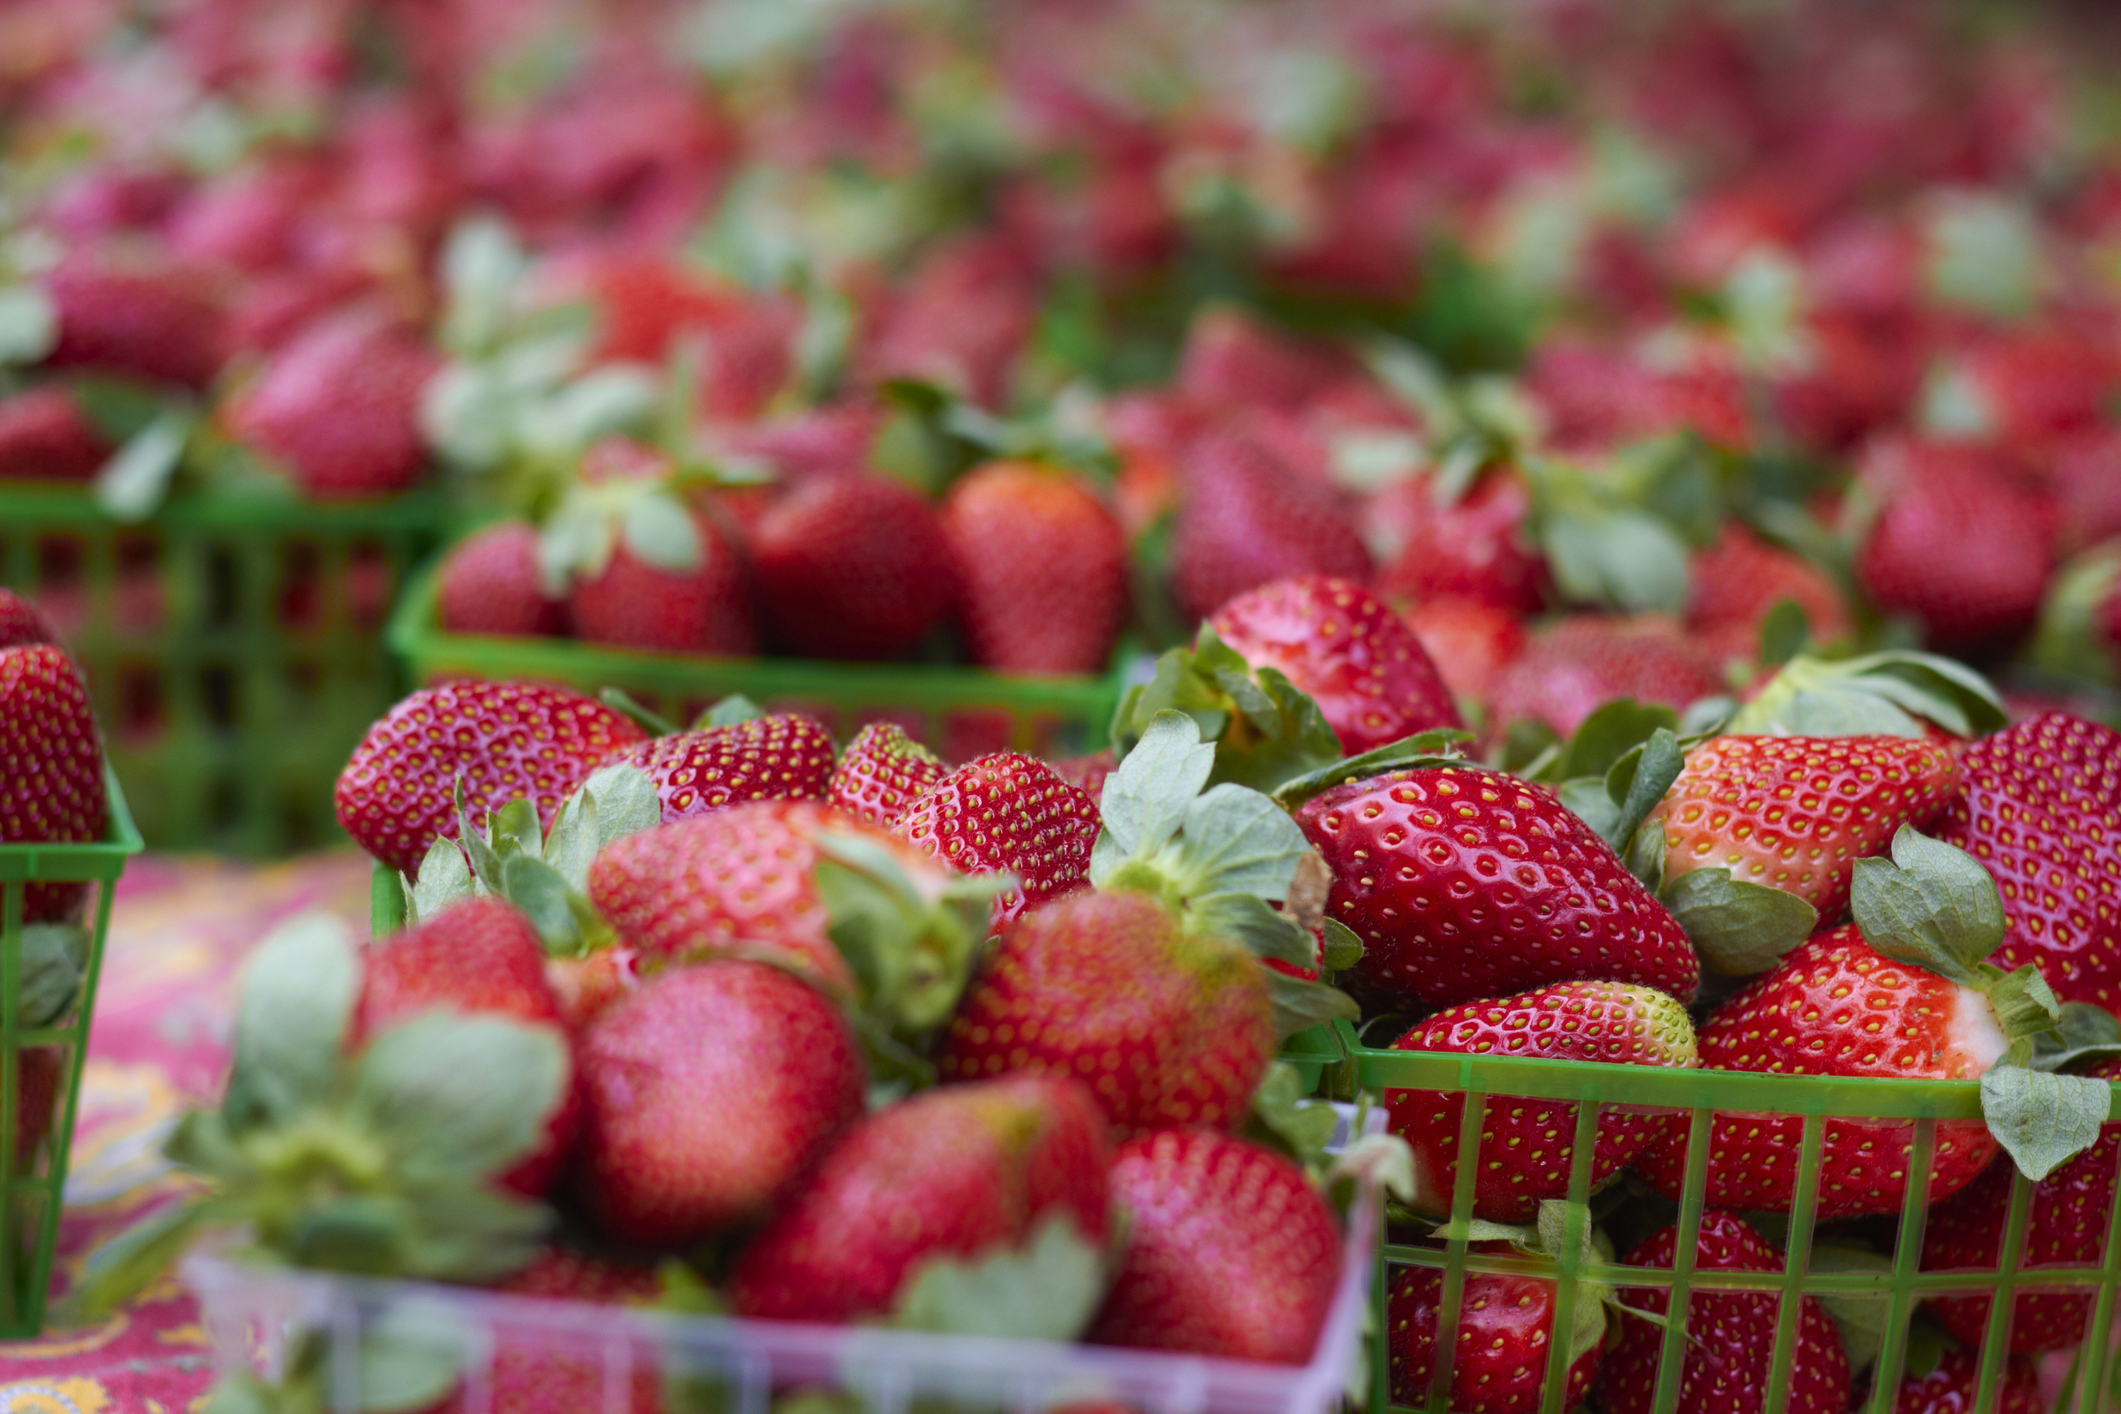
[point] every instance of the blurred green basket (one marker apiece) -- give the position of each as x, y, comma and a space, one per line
233, 643
40, 1067
959, 712
1486, 1079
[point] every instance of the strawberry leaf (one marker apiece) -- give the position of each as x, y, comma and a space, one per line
2070, 643
1639, 780
137, 478
1147, 795
444, 879
1738, 927
1300, 1005
1247, 920
458, 1097
911, 955
1284, 1119
659, 531
2082, 1032
29, 324
621, 701
1237, 840
1880, 694
1266, 730
514, 830
1932, 905
1860, 1316
122, 1267
1609, 734
1783, 633
543, 895
2041, 1120
1342, 948
54, 957
1436, 747
1046, 1290
291, 1021
731, 711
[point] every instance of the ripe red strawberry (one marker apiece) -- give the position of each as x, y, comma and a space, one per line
1168, 1027
767, 758
1087, 773
1006, 811
1041, 569
1836, 1006
881, 773
1572, 668
51, 766
478, 955
1232, 361
1525, 1145
966, 311
851, 566
1796, 813
2070, 1209
1504, 1324
2026, 389
489, 583
1469, 642
22, 623
338, 407
131, 313
1727, 1373
538, 1370
961, 1171
1346, 650
2041, 810
1246, 520
1736, 581
1230, 1251
710, 1090
44, 436
1954, 1387
1473, 548
586, 985
1465, 883
506, 740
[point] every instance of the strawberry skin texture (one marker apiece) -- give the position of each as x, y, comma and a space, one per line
1007, 811
851, 566
1475, 548
1041, 569
2041, 810
22, 623
136, 315
709, 1091
633, 604
2067, 1227
767, 758
1525, 1145
1344, 648
1230, 1251
881, 773
338, 407
1954, 1387
1796, 813
1739, 579
508, 740
1835, 1006
954, 1172
1573, 668
51, 766
490, 584
1504, 1324
1728, 1372
44, 436
1176, 1030
1465, 883
1247, 520
1087, 773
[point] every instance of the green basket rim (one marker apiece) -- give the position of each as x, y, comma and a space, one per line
85, 861
246, 507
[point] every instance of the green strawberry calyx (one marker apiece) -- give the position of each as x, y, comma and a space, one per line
2070, 644
1266, 730
378, 1163
1438, 746
1936, 907
1048, 1287
1879, 694
1566, 1235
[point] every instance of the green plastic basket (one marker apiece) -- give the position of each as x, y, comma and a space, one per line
36, 1181
959, 712
1485, 1079
234, 645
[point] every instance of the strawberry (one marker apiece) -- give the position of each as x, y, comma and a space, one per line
1474, 547
1230, 1251
51, 766
963, 1172
1465, 883
131, 313
1504, 1325
2028, 388
1796, 813
1735, 583
881, 773
338, 407
504, 741
851, 566
1727, 1373
587, 984
2070, 1208
965, 313
709, 1091
1230, 360
489, 583
1346, 650
1007, 812
44, 436
1954, 1386
22, 623
2039, 810
1525, 1145
1572, 668
478, 955
1246, 520
766, 758
246, 219
1087, 773
1041, 569
533, 1372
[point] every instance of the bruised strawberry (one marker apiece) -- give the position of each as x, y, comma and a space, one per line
51, 766
881, 773
489, 583
338, 406
44, 436
1041, 569
1247, 520
767, 758
1007, 812
851, 566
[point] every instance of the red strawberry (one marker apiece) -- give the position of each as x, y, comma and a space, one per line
2041, 810
1469, 642
1578, 665
478, 955
489, 583
130, 313
1795, 813
1836, 1006
539, 1370
958, 1172
587, 984
1465, 883
1954, 1387
246, 219
1087, 773
1504, 1324
1247, 520
851, 566
1472, 548
1727, 1373
1346, 650
22, 623
44, 436
51, 767
2070, 1209
506, 740
882, 772
1168, 1027
766, 758
1232, 361
1525, 1145
338, 407
1740, 578
1041, 569
1008, 812
1230, 1251
709, 1091
2026, 389
966, 311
